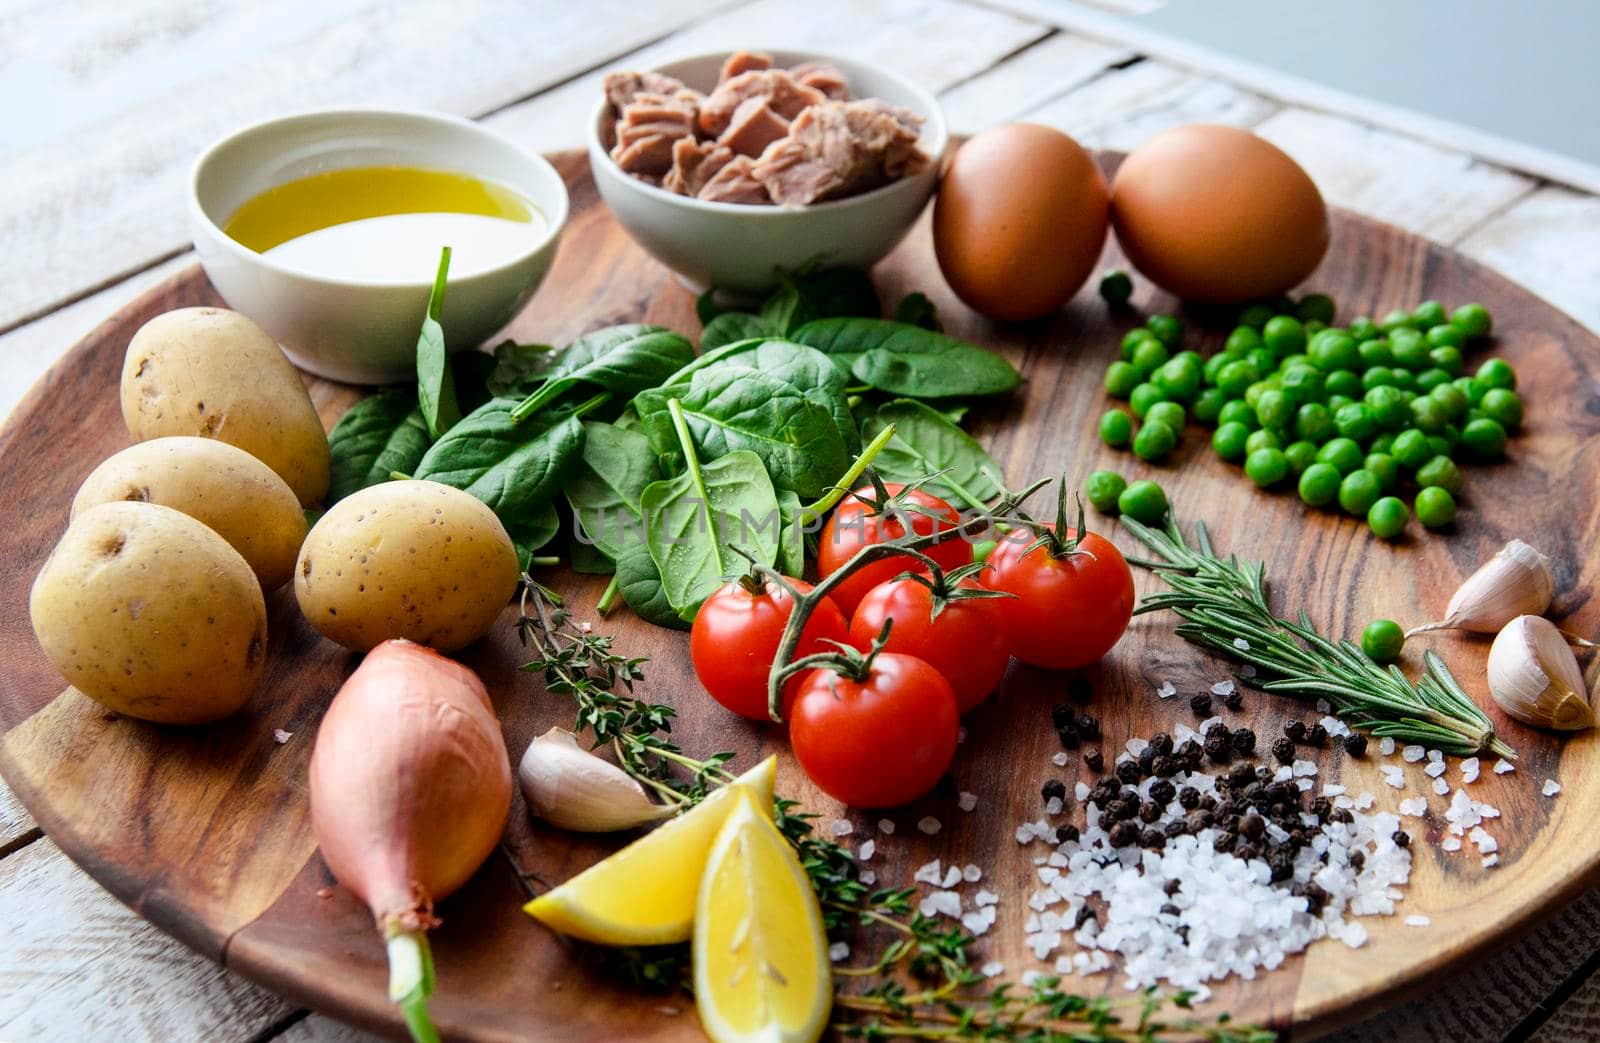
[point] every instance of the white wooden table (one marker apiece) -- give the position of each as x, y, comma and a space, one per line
119, 95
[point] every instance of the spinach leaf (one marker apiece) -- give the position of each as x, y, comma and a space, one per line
518, 368
787, 309
436, 389
693, 521
838, 292
587, 559
706, 307
623, 360
376, 437
471, 371
729, 408
915, 309
909, 360
531, 531
639, 582
516, 469
792, 537
606, 484
925, 442
733, 326
808, 371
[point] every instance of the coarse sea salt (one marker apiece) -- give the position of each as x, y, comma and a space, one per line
1441, 787
1386, 745
1417, 920
1414, 806
930, 873
839, 951
1223, 688
992, 969
1241, 644
1434, 769
1412, 754
1059, 759
866, 850
1504, 767
868, 877
930, 825
967, 801
885, 825
952, 877
1167, 690
1490, 861
1393, 775
971, 874
985, 897
1551, 787
842, 827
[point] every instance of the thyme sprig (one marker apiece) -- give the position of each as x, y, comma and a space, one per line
1224, 607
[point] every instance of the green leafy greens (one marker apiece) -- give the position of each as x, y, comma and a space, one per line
436, 389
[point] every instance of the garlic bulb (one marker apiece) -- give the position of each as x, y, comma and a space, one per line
1515, 582
571, 788
1534, 676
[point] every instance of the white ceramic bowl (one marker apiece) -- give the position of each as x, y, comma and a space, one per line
739, 247
352, 330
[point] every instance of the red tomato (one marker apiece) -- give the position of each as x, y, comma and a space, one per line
1068, 611
878, 742
855, 524
736, 635
966, 642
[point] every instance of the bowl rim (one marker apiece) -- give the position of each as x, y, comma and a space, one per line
199, 217
935, 122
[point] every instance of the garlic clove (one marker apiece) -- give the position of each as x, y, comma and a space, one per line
1515, 582
1534, 676
571, 788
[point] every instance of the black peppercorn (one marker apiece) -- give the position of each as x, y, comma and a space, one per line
1188, 798
1165, 767
1079, 690
1147, 760
1069, 737
1263, 774
1295, 730
1124, 834
1316, 735
1118, 810
1208, 802
1061, 715
1234, 700
1149, 811
1245, 851
1358, 860
1094, 761
1322, 807
1128, 771
1281, 862
1176, 828
1283, 750
1224, 842
1217, 748
1244, 740
1188, 749
1252, 826
1066, 833
1153, 838
1089, 726
1054, 788
1162, 791
1201, 705
1343, 815
1161, 742
1199, 820
1355, 744
1401, 838
1316, 898
1085, 914
1168, 909
1171, 887
1240, 776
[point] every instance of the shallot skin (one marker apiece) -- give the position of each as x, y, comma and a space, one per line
410, 782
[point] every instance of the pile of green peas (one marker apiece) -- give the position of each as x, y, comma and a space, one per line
1347, 413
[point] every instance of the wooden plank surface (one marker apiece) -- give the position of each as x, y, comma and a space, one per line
1551, 240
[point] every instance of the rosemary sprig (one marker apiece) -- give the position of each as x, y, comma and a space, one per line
1223, 605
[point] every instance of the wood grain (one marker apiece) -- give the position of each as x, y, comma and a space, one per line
503, 977
1549, 239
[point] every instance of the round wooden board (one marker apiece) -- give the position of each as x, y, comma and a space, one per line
204, 831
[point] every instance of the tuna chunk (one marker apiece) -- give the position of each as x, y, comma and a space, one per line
744, 61
649, 126
754, 126
734, 184
785, 96
824, 78
621, 87
839, 148
693, 164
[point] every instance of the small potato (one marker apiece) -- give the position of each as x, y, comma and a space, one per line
149, 612
217, 484
417, 560
213, 373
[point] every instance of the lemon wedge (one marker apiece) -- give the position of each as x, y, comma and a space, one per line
645, 893
761, 969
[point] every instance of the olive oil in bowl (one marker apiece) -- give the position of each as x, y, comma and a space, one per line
387, 224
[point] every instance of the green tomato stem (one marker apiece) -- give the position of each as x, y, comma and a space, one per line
411, 982
847, 481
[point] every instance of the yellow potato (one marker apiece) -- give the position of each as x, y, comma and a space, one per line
418, 560
213, 373
152, 614
218, 485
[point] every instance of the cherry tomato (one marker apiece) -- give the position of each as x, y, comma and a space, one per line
878, 742
856, 524
966, 641
736, 635
1068, 611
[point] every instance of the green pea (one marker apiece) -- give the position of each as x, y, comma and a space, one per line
1334, 349
1229, 440
1484, 438
1405, 380
1179, 379
1314, 327
1132, 339
1376, 377
1411, 448
1262, 439
1253, 393
1409, 349
1363, 328
1382, 444
1342, 453
1504, 405
1383, 468
1427, 415
1358, 491
1208, 404
1319, 484
1238, 411
1154, 441
1382, 640
1303, 383
1313, 423
1450, 398
1442, 472
1102, 488
1275, 409
1169, 413
1376, 353
1445, 336
1116, 287
1264, 358
1143, 397
1436, 508
1257, 315
1300, 456
1472, 387
1242, 339
1143, 501
1299, 358
1428, 314
1355, 421
1236, 377
1388, 408
1429, 379
1344, 382
1194, 358
1395, 320
1338, 402
1387, 518
1441, 444
1121, 379
1168, 329
1447, 359
1266, 467
1497, 373
1316, 307
1116, 428
1473, 320
1149, 356
1284, 335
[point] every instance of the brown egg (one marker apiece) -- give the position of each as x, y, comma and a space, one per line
1214, 213
1020, 220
